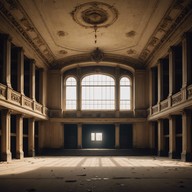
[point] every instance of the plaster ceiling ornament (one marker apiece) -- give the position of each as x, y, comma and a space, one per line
97, 55
93, 14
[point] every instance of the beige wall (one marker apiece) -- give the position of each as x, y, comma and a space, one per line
140, 135
51, 135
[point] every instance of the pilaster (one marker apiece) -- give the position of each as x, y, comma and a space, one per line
79, 136
6, 136
117, 135
20, 70
19, 137
160, 138
32, 80
186, 136
31, 138
172, 137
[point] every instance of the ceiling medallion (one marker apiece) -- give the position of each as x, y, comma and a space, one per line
97, 55
94, 14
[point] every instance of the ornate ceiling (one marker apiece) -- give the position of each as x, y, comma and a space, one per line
60, 31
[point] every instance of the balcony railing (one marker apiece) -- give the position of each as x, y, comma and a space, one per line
11, 96
175, 100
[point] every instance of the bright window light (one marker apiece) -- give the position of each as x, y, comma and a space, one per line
125, 94
71, 93
96, 136
98, 92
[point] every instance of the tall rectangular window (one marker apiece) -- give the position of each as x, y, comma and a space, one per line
125, 94
71, 94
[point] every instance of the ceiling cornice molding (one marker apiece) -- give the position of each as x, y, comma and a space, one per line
165, 28
85, 58
26, 29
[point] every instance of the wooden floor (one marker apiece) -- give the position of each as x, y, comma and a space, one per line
69, 174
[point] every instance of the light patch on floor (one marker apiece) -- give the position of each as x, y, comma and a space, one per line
95, 174
29, 164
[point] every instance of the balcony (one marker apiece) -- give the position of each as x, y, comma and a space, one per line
178, 101
16, 101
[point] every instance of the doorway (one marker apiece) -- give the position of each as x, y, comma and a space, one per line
126, 136
70, 136
98, 136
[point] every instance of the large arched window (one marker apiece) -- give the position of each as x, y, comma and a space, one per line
98, 92
71, 93
125, 93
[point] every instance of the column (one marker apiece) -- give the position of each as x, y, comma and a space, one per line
117, 92
160, 80
6, 136
160, 138
79, 136
7, 59
150, 90
186, 136
21, 70
186, 63
171, 73
32, 80
154, 85
117, 135
31, 138
78, 92
19, 137
172, 138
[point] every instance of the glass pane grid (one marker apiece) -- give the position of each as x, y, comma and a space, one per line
98, 92
71, 100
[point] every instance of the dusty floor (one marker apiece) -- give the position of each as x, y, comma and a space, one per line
92, 174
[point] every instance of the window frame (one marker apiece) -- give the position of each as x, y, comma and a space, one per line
65, 93
81, 88
131, 93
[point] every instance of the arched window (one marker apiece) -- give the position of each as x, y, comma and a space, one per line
125, 93
98, 92
71, 93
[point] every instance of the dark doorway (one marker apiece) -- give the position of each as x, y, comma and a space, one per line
105, 133
25, 136
36, 137
178, 124
13, 136
126, 136
70, 136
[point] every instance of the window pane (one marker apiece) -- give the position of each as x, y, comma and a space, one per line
98, 92
99, 137
71, 93
92, 136
125, 94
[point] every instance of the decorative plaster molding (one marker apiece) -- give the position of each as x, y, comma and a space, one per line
26, 29
165, 28
109, 58
93, 14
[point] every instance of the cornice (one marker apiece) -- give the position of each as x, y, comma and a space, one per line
26, 29
165, 28
86, 58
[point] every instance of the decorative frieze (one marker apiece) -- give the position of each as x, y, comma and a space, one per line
164, 104
38, 107
155, 109
2, 90
16, 97
177, 98
189, 92
27, 103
